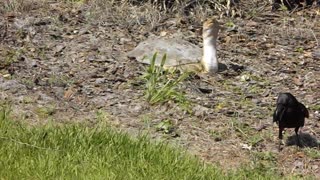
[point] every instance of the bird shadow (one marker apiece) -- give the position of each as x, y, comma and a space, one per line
306, 140
222, 67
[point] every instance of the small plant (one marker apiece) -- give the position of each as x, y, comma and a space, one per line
166, 126
315, 107
230, 24
161, 84
300, 49
283, 8
45, 112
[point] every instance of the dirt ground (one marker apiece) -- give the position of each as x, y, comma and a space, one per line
67, 62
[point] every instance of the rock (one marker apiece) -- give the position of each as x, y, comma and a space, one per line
314, 167
31, 63
43, 98
101, 101
245, 146
298, 164
124, 40
100, 80
316, 54
200, 111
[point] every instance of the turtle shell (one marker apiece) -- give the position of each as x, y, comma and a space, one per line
179, 52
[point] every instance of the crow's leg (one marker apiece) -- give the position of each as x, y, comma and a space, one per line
280, 138
297, 136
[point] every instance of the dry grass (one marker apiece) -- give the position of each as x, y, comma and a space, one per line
153, 12
20, 5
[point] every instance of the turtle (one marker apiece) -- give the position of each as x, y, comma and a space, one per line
181, 54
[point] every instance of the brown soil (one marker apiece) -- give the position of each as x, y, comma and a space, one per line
66, 62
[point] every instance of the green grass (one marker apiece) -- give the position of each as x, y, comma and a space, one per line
86, 151
80, 152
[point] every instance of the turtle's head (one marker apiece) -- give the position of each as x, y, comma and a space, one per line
211, 28
210, 32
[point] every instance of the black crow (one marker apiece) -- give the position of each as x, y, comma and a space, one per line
290, 113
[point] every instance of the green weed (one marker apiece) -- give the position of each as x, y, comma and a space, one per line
299, 49
283, 8
161, 85
166, 126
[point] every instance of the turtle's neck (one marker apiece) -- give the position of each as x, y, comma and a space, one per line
209, 58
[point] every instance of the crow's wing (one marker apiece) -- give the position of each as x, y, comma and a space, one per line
279, 112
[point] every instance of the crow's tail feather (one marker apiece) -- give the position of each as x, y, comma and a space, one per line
304, 110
